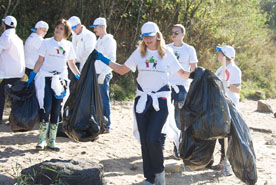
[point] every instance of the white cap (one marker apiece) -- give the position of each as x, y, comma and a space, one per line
228, 51
10, 21
74, 21
99, 21
149, 29
41, 24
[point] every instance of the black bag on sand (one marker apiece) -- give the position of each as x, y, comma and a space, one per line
24, 106
240, 149
205, 108
83, 118
195, 153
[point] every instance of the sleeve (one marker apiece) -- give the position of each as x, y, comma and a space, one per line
4, 43
235, 76
174, 66
71, 55
131, 61
90, 44
193, 57
43, 49
37, 43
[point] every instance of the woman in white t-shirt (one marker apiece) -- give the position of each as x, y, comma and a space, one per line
154, 62
231, 79
51, 80
33, 43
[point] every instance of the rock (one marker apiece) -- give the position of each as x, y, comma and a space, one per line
270, 142
173, 166
275, 115
71, 172
264, 107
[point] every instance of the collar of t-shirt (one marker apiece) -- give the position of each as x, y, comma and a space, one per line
9, 31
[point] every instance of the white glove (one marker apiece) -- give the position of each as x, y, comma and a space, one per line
101, 78
226, 84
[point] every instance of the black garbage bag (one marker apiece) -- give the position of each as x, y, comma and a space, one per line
205, 108
24, 106
240, 149
83, 118
195, 153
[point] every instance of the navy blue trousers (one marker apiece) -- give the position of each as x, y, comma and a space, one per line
150, 124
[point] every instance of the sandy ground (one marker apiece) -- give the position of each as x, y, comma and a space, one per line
120, 154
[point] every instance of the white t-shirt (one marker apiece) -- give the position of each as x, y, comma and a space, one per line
153, 71
32, 46
12, 62
233, 75
84, 43
186, 55
56, 54
107, 46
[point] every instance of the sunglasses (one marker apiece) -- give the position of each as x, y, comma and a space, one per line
175, 33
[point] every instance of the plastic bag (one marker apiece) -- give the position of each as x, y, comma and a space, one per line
25, 109
205, 108
195, 153
240, 149
83, 118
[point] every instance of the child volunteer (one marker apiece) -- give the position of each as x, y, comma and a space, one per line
33, 43
51, 80
154, 62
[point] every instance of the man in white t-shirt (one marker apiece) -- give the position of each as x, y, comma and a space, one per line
12, 63
33, 44
106, 45
187, 58
84, 41
231, 79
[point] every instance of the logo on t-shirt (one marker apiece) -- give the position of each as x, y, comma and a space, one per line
60, 50
151, 60
177, 54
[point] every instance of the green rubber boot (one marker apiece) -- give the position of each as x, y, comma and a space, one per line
52, 137
43, 129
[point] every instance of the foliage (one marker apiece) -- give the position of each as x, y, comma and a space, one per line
248, 25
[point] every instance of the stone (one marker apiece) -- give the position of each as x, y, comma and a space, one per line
264, 107
57, 171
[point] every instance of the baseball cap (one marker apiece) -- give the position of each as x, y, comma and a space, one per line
99, 21
74, 21
228, 51
40, 24
10, 21
149, 29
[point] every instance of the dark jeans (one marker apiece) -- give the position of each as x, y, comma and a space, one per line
52, 105
150, 124
28, 71
4, 82
104, 90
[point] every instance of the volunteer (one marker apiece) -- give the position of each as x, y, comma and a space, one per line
51, 80
12, 63
154, 62
33, 43
106, 45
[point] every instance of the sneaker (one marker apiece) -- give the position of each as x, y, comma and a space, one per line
220, 165
147, 183
106, 131
226, 170
175, 153
160, 178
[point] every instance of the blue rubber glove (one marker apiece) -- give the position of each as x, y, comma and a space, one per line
31, 78
77, 76
102, 58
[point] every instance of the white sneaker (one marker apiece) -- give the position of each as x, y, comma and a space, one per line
160, 178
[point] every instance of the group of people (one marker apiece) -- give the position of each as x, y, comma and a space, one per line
163, 77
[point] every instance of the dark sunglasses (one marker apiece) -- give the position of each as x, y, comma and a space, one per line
175, 33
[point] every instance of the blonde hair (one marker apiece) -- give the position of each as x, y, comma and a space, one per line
161, 46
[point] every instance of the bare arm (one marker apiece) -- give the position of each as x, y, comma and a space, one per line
118, 68
236, 88
38, 64
193, 66
73, 67
183, 74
